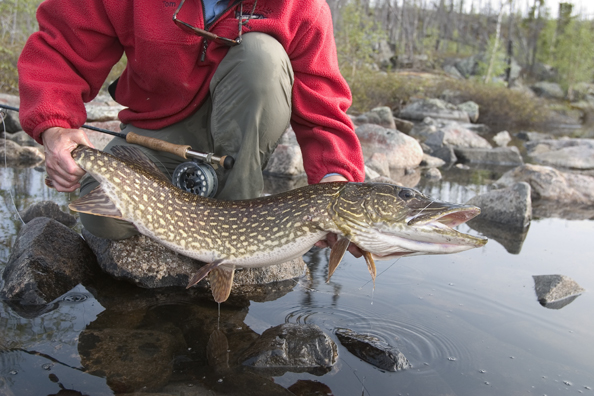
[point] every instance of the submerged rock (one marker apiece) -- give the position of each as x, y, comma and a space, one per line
292, 347
47, 260
556, 291
372, 350
130, 360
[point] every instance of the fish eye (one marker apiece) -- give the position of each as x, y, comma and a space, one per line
406, 193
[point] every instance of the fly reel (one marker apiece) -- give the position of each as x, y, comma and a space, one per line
196, 177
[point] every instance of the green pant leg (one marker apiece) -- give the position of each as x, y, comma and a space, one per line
251, 96
192, 131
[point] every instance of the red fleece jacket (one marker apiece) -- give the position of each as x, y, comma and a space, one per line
67, 61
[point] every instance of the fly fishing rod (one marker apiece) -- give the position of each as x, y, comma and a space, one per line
182, 151
196, 176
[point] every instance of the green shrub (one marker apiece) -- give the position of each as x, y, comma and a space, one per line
498, 105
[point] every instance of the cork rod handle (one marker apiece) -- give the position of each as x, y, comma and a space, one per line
157, 144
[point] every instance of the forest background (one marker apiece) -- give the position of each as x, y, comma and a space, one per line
392, 51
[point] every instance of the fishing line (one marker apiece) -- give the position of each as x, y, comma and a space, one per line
365, 284
2, 115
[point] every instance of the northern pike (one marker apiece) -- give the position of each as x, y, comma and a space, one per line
384, 220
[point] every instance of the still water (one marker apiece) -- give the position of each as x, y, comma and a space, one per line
469, 323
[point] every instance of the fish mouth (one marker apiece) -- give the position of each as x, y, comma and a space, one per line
429, 230
444, 214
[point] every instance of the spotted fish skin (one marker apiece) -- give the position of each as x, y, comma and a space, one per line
255, 232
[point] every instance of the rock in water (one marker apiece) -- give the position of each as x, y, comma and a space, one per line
556, 291
372, 350
47, 260
292, 347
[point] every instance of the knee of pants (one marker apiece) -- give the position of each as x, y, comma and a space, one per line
264, 66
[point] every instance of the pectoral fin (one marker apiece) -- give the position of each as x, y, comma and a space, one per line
96, 203
336, 254
203, 271
221, 281
370, 265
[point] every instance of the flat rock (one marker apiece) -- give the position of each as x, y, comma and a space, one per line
550, 184
47, 260
556, 291
549, 90
372, 350
401, 150
511, 206
505, 156
47, 209
566, 152
148, 264
434, 108
291, 347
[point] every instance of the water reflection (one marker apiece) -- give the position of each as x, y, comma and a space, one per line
469, 323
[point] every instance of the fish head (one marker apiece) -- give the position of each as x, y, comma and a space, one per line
389, 220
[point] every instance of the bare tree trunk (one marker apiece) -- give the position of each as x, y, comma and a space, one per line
495, 45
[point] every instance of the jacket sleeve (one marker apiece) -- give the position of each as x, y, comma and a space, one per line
64, 64
321, 98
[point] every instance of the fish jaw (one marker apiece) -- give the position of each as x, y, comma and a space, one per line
429, 235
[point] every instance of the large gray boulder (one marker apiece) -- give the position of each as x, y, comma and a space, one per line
551, 184
434, 108
565, 153
511, 206
147, 264
401, 150
47, 209
47, 260
380, 116
548, 90
505, 156
437, 134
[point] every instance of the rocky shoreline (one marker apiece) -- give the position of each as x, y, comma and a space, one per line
543, 176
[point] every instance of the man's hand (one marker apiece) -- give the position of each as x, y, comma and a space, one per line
332, 238
61, 168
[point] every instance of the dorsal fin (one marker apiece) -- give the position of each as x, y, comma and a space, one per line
137, 156
96, 203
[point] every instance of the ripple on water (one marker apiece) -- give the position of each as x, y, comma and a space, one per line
420, 341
